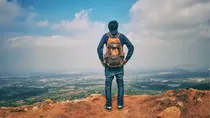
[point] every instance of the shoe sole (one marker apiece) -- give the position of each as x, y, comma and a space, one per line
119, 107
109, 109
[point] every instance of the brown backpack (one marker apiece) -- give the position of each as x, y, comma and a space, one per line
114, 55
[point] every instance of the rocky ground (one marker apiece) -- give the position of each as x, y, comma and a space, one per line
182, 103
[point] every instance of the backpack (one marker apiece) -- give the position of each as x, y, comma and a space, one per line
114, 55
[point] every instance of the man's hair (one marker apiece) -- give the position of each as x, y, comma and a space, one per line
113, 25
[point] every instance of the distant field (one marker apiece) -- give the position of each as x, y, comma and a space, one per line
17, 91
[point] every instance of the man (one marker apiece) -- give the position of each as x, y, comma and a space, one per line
114, 71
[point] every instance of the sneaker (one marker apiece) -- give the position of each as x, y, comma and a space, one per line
107, 107
120, 106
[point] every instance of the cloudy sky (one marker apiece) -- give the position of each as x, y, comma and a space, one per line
61, 35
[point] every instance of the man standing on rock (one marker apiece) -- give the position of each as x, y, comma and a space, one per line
113, 61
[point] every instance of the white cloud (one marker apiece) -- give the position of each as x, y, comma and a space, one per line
30, 16
9, 11
43, 23
81, 28
80, 23
171, 14
43, 41
53, 52
77, 50
167, 33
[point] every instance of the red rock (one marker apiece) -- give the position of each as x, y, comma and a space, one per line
191, 94
48, 101
169, 93
170, 112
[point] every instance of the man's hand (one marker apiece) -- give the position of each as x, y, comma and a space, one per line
103, 63
124, 62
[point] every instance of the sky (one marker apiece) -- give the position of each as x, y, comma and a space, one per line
61, 35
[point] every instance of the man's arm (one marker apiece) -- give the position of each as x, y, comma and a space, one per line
130, 48
100, 47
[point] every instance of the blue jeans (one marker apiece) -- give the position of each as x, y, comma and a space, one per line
110, 73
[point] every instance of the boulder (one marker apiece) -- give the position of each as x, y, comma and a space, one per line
191, 94
169, 93
170, 112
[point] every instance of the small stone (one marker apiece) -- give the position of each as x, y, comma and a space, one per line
94, 98
162, 99
48, 101
191, 89
94, 95
35, 108
41, 116
25, 109
41, 106
199, 99
180, 104
172, 98
126, 111
78, 100
4, 107
51, 105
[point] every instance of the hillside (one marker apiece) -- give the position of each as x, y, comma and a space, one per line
171, 104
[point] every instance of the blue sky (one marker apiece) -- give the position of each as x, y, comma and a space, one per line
56, 10
55, 35
102, 10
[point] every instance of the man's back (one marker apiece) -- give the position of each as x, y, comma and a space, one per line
111, 72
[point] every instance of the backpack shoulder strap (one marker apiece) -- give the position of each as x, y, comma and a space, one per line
117, 35
110, 35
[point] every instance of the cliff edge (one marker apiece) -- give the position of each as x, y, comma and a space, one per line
171, 104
